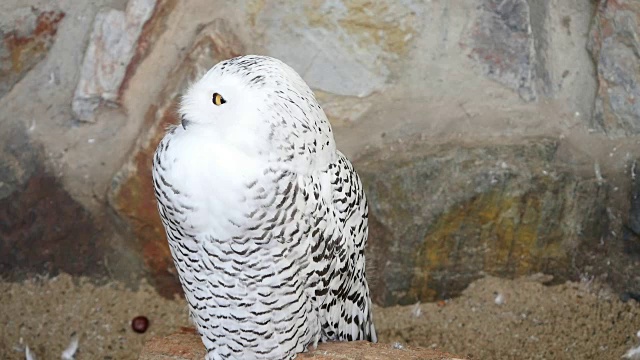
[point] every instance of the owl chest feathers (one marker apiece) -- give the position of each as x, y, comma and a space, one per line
228, 192
206, 180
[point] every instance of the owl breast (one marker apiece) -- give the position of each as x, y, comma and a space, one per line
208, 179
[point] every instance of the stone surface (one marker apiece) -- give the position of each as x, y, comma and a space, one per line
149, 35
340, 47
565, 67
25, 42
42, 229
631, 232
444, 216
634, 208
19, 160
342, 110
186, 345
112, 46
132, 193
503, 42
615, 47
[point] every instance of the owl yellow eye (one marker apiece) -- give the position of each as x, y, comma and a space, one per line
218, 99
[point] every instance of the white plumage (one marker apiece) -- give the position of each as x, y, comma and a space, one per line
266, 220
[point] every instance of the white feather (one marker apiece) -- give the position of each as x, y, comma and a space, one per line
70, 351
28, 355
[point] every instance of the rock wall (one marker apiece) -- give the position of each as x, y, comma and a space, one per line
493, 137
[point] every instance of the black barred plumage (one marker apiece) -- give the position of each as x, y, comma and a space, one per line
266, 220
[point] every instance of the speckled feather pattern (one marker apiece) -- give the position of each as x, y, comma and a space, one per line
266, 220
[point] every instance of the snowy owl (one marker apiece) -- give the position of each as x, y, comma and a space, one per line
266, 220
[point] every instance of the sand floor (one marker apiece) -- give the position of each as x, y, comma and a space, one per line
533, 321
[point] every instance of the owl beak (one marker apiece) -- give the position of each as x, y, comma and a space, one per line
184, 122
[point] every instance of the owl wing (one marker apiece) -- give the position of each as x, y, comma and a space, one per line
342, 290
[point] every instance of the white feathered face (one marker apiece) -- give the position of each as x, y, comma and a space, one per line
219, 99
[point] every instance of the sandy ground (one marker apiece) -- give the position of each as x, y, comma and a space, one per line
533, 321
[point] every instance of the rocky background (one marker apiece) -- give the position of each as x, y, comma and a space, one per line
494, 137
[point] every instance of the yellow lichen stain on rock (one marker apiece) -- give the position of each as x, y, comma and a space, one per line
254, 7
515, 237
500, 230
386, 25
